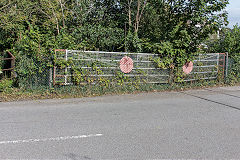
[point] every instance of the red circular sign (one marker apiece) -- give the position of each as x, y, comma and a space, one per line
126, 64
188, 67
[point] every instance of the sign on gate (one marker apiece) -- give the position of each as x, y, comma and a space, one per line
126, 64
188, 67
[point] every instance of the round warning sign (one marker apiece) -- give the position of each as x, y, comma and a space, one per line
188, 67
126, 64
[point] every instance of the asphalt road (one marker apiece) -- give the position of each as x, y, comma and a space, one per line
195, 124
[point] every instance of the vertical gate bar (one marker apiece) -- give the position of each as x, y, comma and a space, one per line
199, 60
148, 59
54, 70
137, 66
50, 78
12, 68
226, 65
14, 61
217, 63
65, 76
137, 62
97, 57
54, 75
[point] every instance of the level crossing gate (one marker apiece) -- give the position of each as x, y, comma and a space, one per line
144, 69
139, 67
208, 66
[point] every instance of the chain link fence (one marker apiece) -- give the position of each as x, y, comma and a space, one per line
32, 74
40, 79
233, 70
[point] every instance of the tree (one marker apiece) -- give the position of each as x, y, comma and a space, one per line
173, 29
228, 42
181, 25
135, 12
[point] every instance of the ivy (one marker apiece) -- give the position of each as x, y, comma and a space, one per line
173, 29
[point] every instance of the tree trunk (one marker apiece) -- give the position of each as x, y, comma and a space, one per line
129, 13
63, 19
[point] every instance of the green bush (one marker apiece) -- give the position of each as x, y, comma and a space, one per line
234, 69
228, 42
6, 85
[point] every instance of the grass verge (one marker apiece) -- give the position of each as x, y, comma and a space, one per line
61, 92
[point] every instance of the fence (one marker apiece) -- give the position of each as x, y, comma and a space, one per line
95, 65
233, 69
81, 67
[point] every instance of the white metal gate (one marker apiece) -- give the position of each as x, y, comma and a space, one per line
144, 70
206, 66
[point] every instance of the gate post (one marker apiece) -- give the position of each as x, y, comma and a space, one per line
226, 66
50, 77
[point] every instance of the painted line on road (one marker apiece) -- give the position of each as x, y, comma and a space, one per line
221, 92
209, 100
50, 139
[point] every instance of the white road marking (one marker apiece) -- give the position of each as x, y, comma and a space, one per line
50, 139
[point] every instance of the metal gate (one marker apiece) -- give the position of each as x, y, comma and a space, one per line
144, 69
8, 69
208, 66
98, 64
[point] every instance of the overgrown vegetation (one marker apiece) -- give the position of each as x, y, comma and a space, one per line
229, 42
6, 85
98, 90
173, 29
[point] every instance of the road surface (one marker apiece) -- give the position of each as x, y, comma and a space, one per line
194, 124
